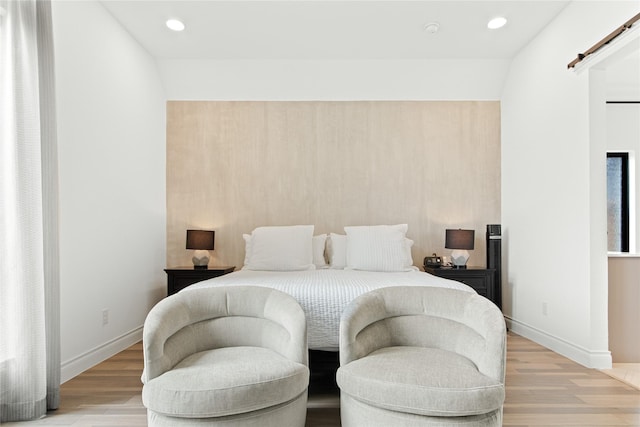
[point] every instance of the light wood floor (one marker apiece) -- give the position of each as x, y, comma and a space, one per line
543, 389
628, 373
546, 389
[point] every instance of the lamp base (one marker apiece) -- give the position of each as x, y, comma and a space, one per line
200, 259
459, 258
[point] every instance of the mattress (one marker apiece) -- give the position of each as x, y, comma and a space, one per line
323, 294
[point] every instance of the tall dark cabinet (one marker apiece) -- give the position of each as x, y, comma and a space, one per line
494, 259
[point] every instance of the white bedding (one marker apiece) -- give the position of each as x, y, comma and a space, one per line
323, 294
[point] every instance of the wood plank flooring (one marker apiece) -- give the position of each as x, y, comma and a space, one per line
543, 389
546, 389
628, 373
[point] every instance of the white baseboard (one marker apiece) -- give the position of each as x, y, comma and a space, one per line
81, 363
581, 355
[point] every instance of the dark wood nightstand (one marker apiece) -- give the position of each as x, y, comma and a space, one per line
181, 277
480, 279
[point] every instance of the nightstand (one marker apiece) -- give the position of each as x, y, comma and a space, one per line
480, 279
181, 277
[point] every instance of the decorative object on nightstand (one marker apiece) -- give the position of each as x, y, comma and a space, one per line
180, 277
202, 241
460, 241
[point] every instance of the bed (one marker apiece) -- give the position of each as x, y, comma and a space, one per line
325, 272
323, 293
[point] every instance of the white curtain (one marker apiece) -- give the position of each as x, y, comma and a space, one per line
29, 267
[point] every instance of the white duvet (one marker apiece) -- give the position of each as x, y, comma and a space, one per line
323, 294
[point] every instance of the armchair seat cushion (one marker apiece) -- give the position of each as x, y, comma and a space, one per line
225, 381
423, 381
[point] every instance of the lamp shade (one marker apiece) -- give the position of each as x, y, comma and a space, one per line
200, 239
459, 239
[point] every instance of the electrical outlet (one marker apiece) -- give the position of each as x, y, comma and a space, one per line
545, 308
105, 317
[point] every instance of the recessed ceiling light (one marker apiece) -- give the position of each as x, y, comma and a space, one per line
175, 25
432, 27
497, 22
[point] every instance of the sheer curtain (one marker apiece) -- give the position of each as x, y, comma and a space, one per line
29, 267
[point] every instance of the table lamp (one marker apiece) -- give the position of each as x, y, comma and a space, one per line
202, 242
460, 241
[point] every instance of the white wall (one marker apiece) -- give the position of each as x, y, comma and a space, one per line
111, 133
461, 80
623, 134
553, 187
623, 121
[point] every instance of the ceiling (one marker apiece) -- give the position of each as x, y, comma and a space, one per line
330, 29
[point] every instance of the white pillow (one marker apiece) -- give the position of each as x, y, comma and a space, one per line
379, 248
337, 251
319, 259
409, 260
283, 248
247, 248
318, 249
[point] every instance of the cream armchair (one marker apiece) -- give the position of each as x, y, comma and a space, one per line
226, 356
421, 356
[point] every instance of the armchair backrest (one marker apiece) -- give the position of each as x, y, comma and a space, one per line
448, 319
202, 319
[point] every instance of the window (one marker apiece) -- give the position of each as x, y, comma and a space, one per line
618, 202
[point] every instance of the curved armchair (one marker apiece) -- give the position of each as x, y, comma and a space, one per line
226, 356
421, 356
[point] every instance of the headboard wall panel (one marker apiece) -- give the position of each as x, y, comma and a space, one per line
236, 165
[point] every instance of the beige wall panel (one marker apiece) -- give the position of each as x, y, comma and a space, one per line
624, 313
234, 166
